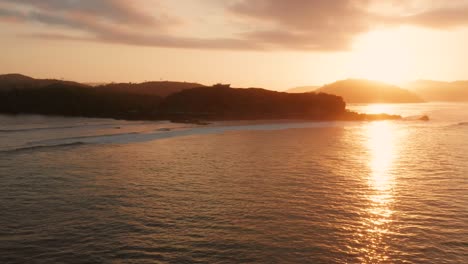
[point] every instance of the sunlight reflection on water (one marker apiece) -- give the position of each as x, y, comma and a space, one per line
381, 145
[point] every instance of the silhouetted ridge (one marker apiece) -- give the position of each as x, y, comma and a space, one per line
252, 103
12, 77
19, 81
167, 101
162, 89
365, 91
303, 89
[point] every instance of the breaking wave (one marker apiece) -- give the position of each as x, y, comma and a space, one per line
53, 128
40, 147
163, 133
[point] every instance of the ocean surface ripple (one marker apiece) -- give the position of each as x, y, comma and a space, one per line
289, 192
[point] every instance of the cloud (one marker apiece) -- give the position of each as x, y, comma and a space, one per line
159, 41
333, 24
304, 24
440, 18
111, 21
314, 25
121, 11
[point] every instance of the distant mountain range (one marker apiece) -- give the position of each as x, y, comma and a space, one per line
187, 101
440, 91
352, 90
365, 91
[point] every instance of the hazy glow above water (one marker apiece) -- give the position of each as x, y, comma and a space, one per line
378, 109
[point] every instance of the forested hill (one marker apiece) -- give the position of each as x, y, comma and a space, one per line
75, 100
19, 81
207, 103
162, 89
231, 103
23, 95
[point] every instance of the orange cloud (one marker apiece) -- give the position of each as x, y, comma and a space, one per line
322, 25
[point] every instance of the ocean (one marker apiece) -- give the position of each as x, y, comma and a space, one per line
83, 190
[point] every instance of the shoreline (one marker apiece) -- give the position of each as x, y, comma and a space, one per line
347, 116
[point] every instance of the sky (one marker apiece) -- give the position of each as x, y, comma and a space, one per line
274, 44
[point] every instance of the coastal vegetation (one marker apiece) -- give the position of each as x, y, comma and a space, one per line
73, 100
188, 102
162, 89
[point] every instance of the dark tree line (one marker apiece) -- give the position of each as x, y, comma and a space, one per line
203, 103
229, 103
70, 100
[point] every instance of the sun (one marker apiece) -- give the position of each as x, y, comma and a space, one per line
382, 56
